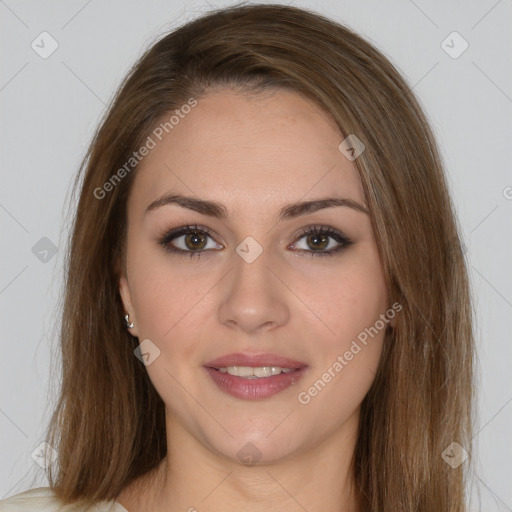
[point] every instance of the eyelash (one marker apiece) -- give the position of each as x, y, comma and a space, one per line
169, 236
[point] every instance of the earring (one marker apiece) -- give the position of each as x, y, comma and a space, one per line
129, 324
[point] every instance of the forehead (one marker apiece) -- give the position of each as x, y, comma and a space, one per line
247, 151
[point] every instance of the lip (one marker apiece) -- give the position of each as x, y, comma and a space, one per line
254, 389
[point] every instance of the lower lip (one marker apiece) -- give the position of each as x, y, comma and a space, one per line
254, 389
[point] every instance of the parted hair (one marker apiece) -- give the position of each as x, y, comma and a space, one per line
108, 425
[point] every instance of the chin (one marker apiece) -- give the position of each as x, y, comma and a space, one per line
257, 441
260, 451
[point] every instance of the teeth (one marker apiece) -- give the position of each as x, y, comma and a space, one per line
265, 371
249, 372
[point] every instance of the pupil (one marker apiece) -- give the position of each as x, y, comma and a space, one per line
196, 238
316, 238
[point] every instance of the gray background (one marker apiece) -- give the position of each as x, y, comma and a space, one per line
50, 107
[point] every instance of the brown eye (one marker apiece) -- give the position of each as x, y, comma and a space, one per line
195, 240
317, 240
189, 241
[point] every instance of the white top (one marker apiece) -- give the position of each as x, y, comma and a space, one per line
43, 499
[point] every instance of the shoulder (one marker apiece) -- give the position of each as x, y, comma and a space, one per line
43, 499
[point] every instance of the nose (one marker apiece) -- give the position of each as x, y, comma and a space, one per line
255, 298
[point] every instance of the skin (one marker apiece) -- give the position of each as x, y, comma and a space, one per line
254, 154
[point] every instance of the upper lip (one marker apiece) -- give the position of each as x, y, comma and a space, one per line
254, 360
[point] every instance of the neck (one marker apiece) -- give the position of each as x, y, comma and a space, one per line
194, 478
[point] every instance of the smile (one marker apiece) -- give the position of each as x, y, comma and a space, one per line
252, 376
250, 372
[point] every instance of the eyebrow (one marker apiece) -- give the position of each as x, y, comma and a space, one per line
289, 211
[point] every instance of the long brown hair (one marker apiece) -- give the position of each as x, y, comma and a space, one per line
109, 425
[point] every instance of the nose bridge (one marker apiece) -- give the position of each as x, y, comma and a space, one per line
253, 297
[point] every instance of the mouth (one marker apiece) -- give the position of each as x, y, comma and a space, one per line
258, 372
254, 376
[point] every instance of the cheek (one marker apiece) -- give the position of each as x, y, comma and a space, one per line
345, 306
347, 360
163, 297
352, 346
168, 304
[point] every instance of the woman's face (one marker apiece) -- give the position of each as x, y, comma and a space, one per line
215, 310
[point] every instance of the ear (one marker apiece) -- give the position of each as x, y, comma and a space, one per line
126, 298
